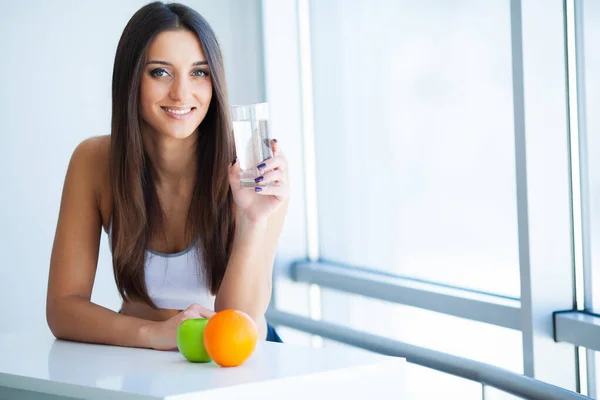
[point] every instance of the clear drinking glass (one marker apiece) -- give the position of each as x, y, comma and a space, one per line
252, 139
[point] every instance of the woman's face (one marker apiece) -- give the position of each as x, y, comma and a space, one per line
176, 87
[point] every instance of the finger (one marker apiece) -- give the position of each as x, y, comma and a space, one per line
201, 311
234, 171
189, 313
206, 313
276, 176
275, 162
276, 147
280, 191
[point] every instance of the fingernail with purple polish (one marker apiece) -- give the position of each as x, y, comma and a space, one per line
261, 166
259, 179
234, 160
275, 140
258, 189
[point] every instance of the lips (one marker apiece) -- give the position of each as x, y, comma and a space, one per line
178, 112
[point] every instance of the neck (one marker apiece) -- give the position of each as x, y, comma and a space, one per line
173, 160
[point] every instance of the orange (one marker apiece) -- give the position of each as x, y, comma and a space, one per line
230, 337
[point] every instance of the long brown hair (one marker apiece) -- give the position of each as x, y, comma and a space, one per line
137, 214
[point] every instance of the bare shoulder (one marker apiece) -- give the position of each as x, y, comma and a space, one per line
93, 155
93, 148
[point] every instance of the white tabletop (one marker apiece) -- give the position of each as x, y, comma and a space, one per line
57, 369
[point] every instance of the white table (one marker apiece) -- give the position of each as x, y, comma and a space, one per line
37, 366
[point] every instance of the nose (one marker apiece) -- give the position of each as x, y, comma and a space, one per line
179, 89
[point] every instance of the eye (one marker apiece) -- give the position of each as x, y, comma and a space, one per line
158, 72
200, 73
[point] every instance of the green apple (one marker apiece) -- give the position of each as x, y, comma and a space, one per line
190, 339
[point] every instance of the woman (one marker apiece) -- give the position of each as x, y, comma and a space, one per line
186, 239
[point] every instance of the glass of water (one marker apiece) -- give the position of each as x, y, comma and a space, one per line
252, 139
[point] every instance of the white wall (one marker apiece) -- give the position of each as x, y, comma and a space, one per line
57, 60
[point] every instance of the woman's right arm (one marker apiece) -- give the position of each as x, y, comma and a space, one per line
69, 312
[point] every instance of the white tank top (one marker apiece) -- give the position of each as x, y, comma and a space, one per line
173, 280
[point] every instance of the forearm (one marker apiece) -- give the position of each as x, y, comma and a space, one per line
246, 285
78, 319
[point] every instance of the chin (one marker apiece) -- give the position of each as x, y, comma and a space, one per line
173, 131
178, 134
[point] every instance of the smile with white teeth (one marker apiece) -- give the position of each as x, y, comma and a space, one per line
179, 112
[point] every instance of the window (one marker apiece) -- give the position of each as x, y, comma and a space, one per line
589, 102
414, 139
588, 28
418, 150
465, 338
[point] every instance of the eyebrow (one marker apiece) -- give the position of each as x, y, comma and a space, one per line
169, 64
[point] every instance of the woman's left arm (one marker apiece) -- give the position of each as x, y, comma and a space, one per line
259, 217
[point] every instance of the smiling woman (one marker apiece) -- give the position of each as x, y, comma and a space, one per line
186, 239
165, 88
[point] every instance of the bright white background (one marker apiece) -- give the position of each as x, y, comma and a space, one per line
413, 107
